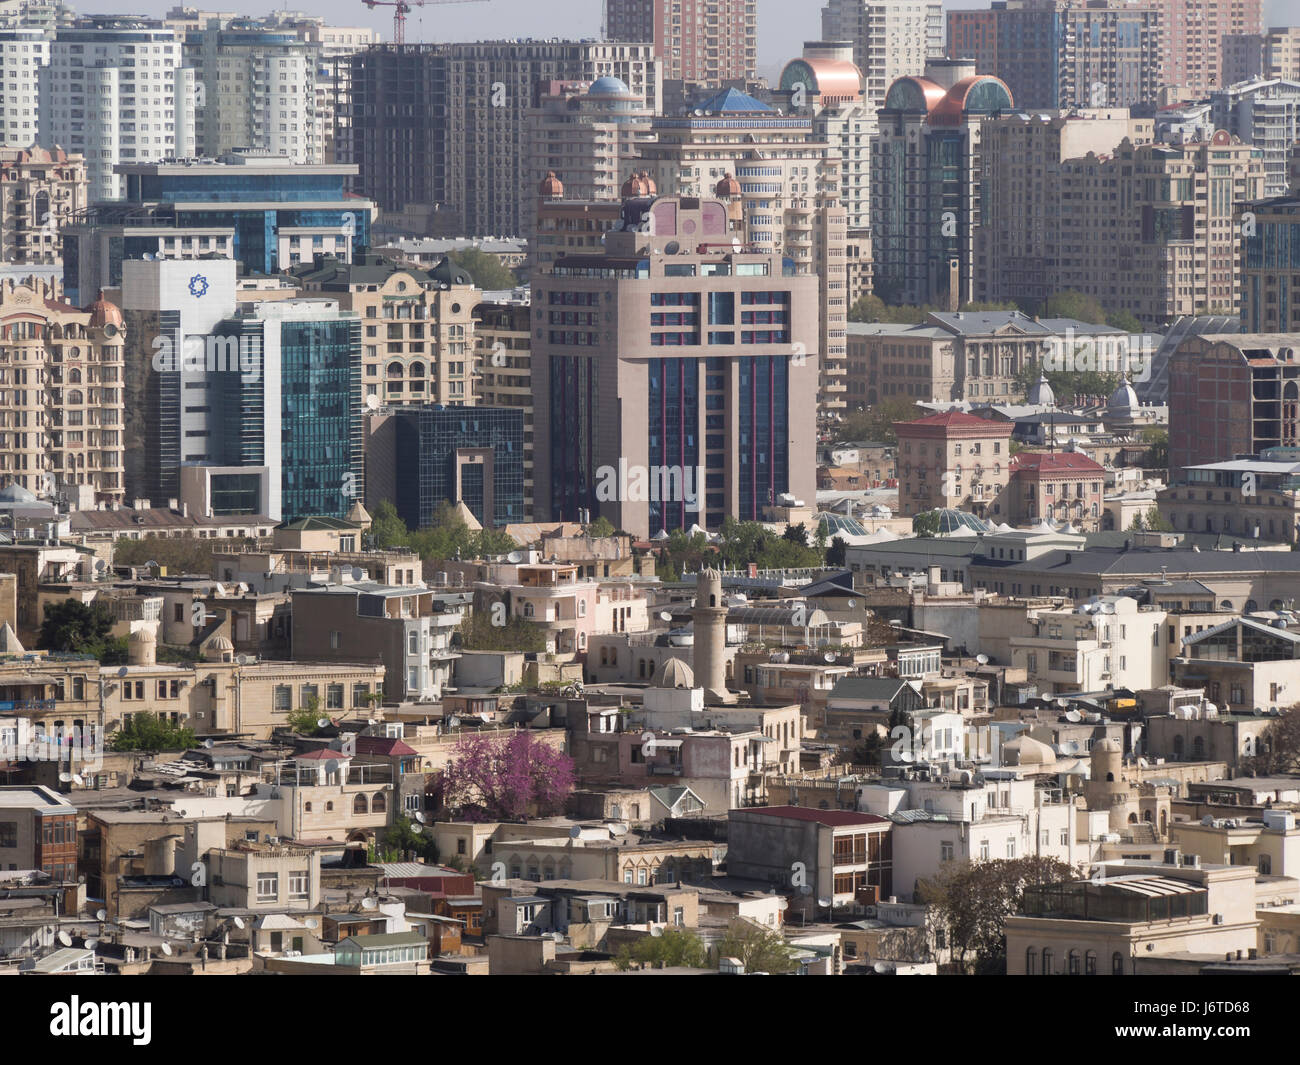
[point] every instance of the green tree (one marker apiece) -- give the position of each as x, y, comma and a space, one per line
796, 534
677, 947
601, 527
1157, 522
399, 839
972, 900
760, 949
877, 423
1138, 524
387, 527
74, 627
1066, 384
305, 720
1124, 319
1156, 439
477, 633
485, 269
149, 732
926, 523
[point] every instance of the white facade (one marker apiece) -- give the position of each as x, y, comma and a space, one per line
23, 54
116, 95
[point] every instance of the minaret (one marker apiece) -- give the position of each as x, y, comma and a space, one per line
710, 624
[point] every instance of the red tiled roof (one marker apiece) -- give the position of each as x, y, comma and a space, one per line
955, 419
324, 754
833, 818
1052, 462
384, 745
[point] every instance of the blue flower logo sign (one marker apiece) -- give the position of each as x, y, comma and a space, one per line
198, 285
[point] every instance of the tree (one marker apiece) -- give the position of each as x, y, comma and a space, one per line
601, 527
149, 732
447, 537
974, 899
796, 534
387, 528
74, 627
486, 270
1157, 442
676, 947
1157, 522
495, 778
877, 422
477, 633
760, 949
1138, 524
1278, 749
1066, 384
926, 524
1124, 319
837, 551
178, 555
399, 839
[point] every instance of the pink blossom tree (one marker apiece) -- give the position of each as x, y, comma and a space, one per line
493, 777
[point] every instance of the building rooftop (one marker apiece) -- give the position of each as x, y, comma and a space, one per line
831, 818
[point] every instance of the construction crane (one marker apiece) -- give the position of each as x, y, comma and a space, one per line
401, 8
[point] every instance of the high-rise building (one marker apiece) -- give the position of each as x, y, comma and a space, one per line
258, 90
1067, 53
925, 192
783, 183
1270, 265
891, 38
1148, 229
61, 398
1267, 115
40, 191
1016, 240
417, 326
503, 361
588, 135
703, 42
266, 211
447, 124
675, 374
468, 455
1194, 35
116, 91
23, 53
1281, 53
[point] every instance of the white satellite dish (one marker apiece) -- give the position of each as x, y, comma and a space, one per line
420, 817
322, 722
238, 922
91, 944
372, 402
829, 656
208, 744
66, 778
824, 902
983, 660
368, 903
665, 615
76, 779
311, 922
656, 931
851, 603
782, 904
515, 557
167, 949
65, 939
101, 915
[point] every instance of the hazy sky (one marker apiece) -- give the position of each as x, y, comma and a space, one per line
782, 24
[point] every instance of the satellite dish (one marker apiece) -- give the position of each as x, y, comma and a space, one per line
322, 722
515, 557
851, 604
91, 944
672, 248
904, 756
358, 574
331, 766
420, 817
76, 779
665, 615
656, 931
101, 565
829, 656
65, 939
881, 968
416, 828
208, 744
238, 922
101, 915
575, 831
311, 922
983, 660
123, 671
369, 903
167, 949
241, 660
66, 778
823, 901
372, 402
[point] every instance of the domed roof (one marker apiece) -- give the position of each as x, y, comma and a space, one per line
1107, 746
103, 313
609, 86
1029, 751
450, 274
143, 636
551, 187
728, 186
1123, 400
1041, 394
220, 643
953, 521
675, 674
710, 574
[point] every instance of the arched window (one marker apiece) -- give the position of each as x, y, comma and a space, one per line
529, 610
329, 806
1090, 963
1132, 819
1198, 748
359, 805
306, 807
1146, 816
1117, 964
582, 608
1073, 960
1031, 962
378, 804
1047, 961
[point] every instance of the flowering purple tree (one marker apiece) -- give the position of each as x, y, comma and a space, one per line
491, 777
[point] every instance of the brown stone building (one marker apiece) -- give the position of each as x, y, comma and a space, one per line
953, 460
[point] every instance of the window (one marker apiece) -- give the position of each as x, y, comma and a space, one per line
299, 884
359, 693
1047, 961
1074, 964
1117, 964
1031, 962
1090, 963
360, 805
268, 887
282, 698
642, 876
984, 850
8, 833
945, 850
334, 697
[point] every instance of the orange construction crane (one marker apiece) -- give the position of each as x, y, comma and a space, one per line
402, 7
